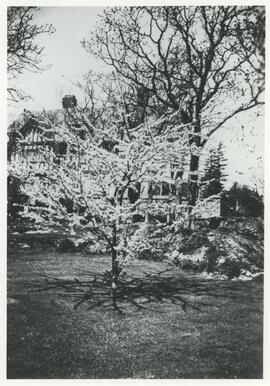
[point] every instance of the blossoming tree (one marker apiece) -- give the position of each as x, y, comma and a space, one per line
97, 172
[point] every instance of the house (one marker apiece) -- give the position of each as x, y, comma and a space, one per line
39, 130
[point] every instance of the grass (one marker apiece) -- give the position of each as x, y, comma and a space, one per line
188, 328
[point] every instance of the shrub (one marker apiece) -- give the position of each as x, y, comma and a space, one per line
66, 245
251, 228
231, 268
152, 242
193, 241
148, 248
150, 254
256, 258
211, 258
189, 264
214, 222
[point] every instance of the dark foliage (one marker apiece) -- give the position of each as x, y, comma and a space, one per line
191, 265
15, 202
211, 258
212, 181
244, 201
231, 268
66, 245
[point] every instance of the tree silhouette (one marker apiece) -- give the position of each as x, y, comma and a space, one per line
212, 181
23, 53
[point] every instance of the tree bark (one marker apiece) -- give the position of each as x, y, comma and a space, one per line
115, 274
194, 166
115, 267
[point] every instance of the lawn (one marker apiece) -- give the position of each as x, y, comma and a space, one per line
170, 324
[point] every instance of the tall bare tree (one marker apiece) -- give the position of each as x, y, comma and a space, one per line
195, 60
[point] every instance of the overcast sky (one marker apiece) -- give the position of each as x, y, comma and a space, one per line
64, 53
242, 137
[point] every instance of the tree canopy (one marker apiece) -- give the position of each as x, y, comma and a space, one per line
186, 57
207, 63
97, 171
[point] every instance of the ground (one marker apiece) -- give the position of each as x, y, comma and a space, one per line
188, 328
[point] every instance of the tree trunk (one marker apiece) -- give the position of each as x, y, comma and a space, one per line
115, 274
193, 181
194, 166
115, 267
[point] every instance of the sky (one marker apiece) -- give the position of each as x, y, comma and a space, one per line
63, 53
243, 136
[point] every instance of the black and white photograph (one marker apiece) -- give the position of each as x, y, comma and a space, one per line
135, 191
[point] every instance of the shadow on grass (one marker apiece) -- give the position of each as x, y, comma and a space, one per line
138, 293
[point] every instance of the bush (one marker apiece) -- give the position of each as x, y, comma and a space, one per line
189, 264
231, 268
152, 243
211, 258
150, 254
66, 245
226, 252
150, 249
251, 229
214, 222
256, 258
193, 241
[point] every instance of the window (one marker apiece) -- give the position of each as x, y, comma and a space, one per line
156, 190
165, 189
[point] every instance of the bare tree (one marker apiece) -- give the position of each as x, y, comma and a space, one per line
23, 53
200, 61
